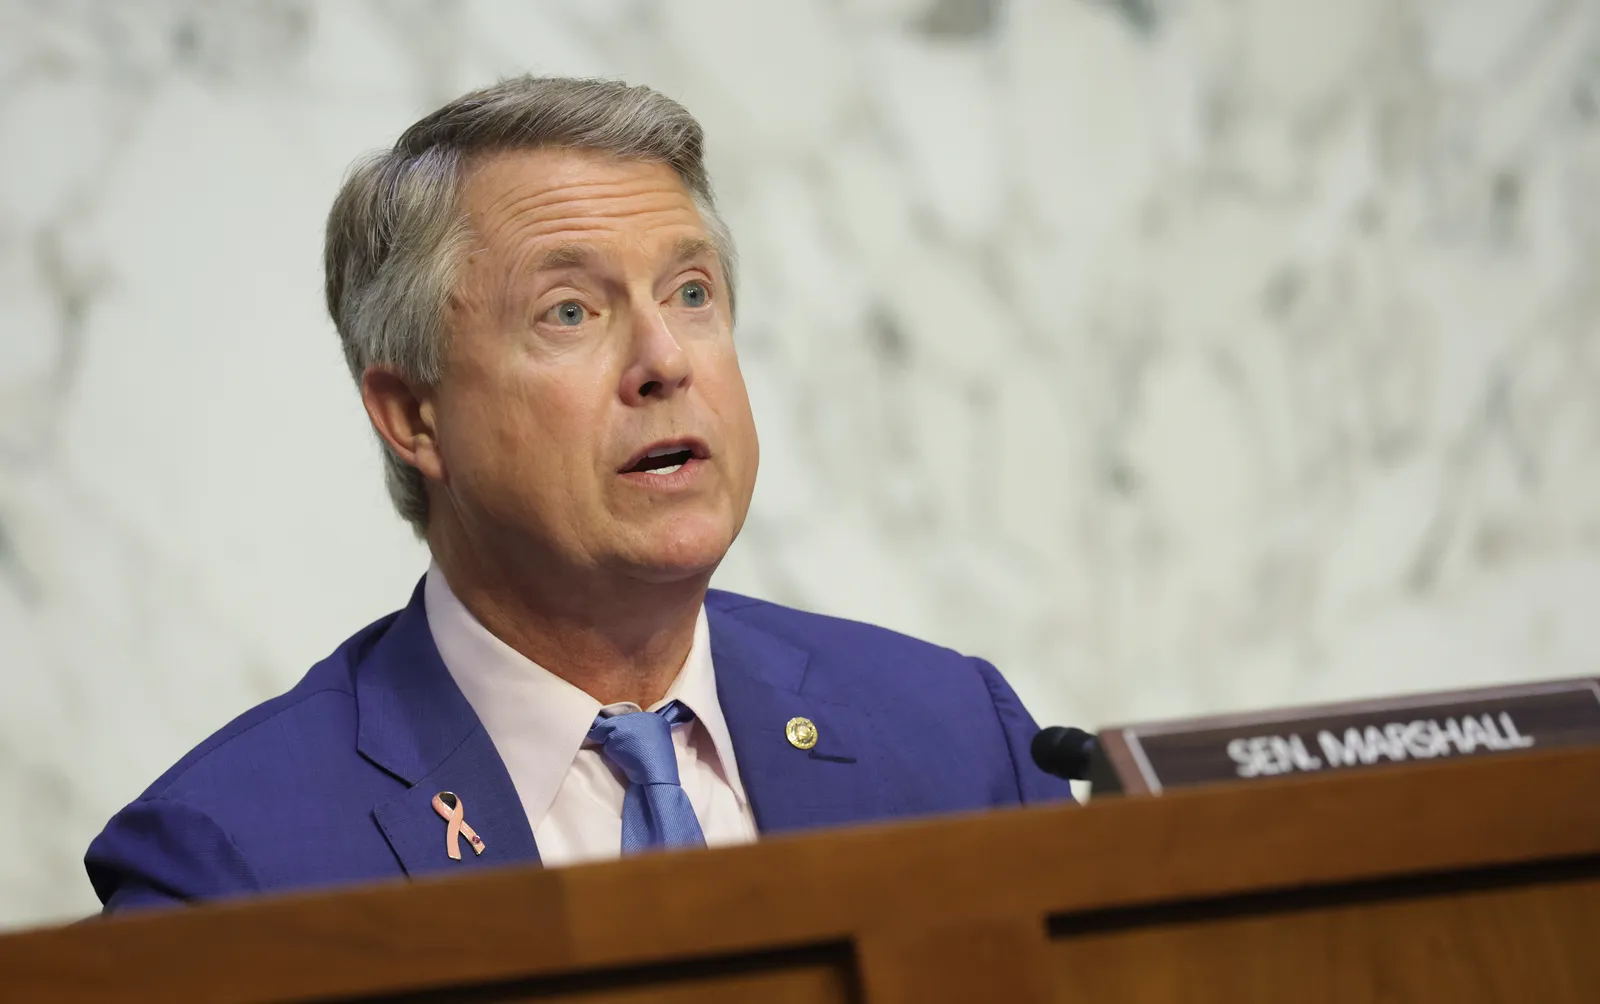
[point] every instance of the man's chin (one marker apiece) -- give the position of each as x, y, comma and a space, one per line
677, 560
685, 545
674, 575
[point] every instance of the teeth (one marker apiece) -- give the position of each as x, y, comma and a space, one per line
662, 451
666, 470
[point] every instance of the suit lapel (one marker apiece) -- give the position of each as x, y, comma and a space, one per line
415, 724
490, 806
760, 681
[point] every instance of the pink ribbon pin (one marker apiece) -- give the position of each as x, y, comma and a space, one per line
448, 805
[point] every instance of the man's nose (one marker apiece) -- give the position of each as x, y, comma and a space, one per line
660, 367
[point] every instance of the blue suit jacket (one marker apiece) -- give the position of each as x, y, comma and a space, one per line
332, 782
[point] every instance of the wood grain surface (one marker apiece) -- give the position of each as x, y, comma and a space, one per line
1036, 902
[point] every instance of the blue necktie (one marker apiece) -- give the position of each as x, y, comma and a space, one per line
656, 810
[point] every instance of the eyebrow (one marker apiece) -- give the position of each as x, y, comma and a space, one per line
565, 256
692, 247
578, 255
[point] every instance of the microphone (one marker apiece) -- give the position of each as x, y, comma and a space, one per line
1065, 752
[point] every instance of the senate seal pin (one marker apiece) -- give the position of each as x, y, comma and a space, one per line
802, 733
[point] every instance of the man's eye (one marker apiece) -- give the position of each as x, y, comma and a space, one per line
569, 314
694, 294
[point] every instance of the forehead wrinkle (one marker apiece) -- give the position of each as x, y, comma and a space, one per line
513, 202
584, 229
604, 228
599, 200
560, 246
506, 186
532, 222
600, 191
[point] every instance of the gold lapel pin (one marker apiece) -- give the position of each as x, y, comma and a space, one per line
802, 733
450, 806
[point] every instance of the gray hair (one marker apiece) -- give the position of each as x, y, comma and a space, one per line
397, 232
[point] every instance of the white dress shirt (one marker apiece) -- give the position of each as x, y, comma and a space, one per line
539, 724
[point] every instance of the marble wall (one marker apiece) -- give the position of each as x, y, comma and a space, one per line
1178, 355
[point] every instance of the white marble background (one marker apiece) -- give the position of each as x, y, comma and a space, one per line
1178, 355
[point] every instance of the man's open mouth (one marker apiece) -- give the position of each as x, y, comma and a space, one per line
665, 458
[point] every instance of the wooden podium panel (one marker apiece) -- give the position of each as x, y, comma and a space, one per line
1475, 880
1517, 943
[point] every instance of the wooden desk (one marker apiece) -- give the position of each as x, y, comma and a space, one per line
1470, 881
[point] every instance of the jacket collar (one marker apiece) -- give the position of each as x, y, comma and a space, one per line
762, 683
414, 723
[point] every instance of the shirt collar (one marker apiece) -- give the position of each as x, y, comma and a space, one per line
696, 686
537, 720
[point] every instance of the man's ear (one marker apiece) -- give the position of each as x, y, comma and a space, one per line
403, 412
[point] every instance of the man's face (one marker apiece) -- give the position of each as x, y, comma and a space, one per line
590, 328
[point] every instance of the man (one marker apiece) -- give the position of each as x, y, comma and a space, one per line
536, 297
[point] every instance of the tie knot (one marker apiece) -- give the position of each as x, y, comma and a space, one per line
640, 743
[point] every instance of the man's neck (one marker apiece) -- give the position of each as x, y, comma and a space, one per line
616, 642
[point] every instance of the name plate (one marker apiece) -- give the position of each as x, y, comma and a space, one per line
1149, 759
